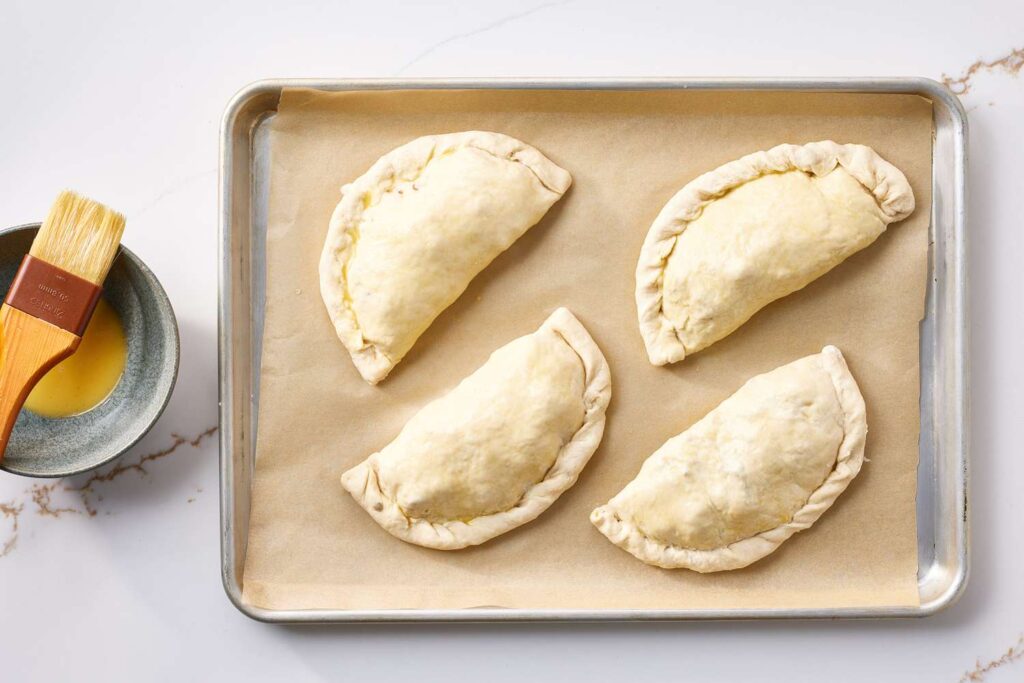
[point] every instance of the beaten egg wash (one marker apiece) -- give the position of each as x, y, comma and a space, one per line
83, 380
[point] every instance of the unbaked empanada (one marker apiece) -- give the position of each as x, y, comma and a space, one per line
763, 465
498, 449
411, 233
754, 230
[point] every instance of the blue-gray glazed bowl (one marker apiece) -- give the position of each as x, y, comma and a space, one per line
58, 447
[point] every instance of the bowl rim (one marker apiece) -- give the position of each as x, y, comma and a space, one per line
175, 362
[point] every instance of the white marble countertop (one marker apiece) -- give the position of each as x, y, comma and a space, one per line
115, 576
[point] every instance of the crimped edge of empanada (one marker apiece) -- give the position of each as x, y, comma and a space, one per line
849, 460
884, 181
402, 164
361, 481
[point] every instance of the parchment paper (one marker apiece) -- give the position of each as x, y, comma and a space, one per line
311, 546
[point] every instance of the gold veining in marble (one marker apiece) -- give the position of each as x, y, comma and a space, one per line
1010, 63
11, 510
85, 490
41, 495
1013, 654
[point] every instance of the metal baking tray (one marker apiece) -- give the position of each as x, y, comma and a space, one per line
942, 512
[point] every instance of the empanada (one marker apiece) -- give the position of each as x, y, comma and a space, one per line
498, 449
754, 230
763, 465
411, 233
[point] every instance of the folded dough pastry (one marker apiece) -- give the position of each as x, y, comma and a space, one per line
498, 449
754, 230
763, 465
411, 233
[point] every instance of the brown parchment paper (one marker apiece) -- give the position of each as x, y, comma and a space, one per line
311, 546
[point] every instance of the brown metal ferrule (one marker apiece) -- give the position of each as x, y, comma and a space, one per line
46, 292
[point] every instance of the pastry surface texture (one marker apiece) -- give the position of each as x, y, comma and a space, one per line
755, 230
410, 234
498, 449
763, 465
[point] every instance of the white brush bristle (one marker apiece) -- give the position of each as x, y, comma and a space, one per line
79, 236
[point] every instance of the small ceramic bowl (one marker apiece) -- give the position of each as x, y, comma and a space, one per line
58, 447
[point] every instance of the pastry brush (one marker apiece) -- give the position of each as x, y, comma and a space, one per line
53, 296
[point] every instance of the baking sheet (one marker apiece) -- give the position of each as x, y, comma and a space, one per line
310, 546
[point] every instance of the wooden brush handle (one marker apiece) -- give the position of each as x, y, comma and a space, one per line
28, 348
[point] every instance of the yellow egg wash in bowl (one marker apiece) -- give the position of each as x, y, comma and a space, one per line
82, 381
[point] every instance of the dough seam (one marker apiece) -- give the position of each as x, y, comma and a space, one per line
434, 155
849, 459
886, 183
